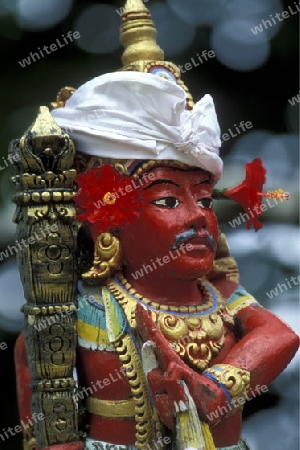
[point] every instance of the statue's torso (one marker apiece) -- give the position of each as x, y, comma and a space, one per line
202, 336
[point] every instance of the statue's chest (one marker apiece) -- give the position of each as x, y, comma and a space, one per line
197, 334
196, 338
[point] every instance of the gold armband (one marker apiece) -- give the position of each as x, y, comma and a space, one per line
234, 382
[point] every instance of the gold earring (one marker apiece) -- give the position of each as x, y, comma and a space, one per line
107, 259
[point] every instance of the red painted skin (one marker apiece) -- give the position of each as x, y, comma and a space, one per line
265, 347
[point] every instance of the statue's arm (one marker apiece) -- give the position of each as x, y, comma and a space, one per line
265, 343
266, 347
23, 381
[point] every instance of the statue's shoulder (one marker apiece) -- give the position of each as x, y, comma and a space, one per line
240, 299
91, 320
98, 315
230, 293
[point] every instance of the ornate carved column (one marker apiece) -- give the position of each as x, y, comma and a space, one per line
47, 239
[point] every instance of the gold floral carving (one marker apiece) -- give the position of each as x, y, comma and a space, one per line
194, 335
107, 258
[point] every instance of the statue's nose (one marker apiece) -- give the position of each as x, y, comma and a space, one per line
195, 216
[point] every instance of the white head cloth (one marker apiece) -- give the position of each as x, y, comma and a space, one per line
141, 116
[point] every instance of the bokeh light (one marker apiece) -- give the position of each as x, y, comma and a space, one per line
39, 15
256, 11
197, 12
98, 25
237, 47
281, 154
8, 7
285, 247
174, 35
248, 146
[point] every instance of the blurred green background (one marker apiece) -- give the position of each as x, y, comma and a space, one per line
251, 78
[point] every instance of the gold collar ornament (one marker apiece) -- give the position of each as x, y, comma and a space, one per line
196, 333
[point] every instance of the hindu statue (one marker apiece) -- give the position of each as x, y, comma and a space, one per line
137, 333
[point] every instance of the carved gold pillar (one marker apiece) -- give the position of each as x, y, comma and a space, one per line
46, 241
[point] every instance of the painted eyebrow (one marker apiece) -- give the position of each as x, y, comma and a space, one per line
203, 182
161, 181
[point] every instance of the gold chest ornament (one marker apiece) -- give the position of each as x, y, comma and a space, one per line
196, 333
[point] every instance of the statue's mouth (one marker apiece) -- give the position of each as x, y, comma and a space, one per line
199, 240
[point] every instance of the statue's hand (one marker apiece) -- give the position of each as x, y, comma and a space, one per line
202, 390
164, 381
161, 399
166, 357
150, 332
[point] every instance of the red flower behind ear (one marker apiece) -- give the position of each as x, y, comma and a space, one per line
249, 193
106, 199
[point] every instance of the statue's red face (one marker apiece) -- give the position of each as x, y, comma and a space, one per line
175, 202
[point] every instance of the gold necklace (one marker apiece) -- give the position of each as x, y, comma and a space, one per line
196, 333
206, 294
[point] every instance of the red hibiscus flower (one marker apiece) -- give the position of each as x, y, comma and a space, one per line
249, 193
106, 199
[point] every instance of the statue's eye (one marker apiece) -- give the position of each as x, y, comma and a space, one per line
205, 203
167, 202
